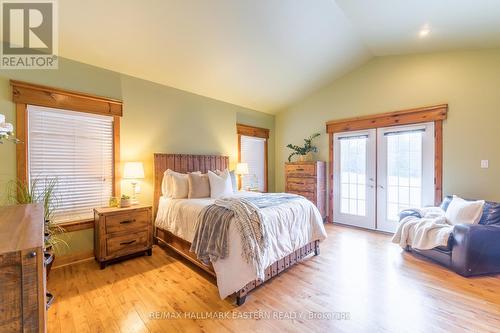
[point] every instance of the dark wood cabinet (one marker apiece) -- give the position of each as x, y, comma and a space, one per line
22, 272
309, 180
119, 232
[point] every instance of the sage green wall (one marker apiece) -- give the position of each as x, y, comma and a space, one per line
156, 118
468, 81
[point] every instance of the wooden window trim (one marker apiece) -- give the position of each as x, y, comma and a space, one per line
252, 131
258, 132
34, 94
77, 225
436, 114
24, 94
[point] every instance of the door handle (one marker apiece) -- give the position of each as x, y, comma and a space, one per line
381, 187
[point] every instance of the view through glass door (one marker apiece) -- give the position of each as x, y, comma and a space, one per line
379, 172
405, 177
354, 178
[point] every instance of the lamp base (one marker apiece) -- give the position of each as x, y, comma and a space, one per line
134, 199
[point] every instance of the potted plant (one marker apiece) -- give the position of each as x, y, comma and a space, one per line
305, 152
41, 191
125, 201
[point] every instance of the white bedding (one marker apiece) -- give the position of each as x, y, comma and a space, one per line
289, 226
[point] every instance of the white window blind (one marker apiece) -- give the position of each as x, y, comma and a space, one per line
77, 149
252, 151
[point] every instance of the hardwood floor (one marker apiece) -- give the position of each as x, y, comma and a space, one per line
360, 273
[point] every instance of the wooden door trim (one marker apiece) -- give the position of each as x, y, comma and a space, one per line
404, 117
258, 132
436, 114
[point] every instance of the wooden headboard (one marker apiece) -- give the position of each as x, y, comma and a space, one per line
183, 163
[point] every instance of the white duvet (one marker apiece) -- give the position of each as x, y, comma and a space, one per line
289, 226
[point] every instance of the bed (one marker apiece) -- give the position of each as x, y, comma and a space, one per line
291, 239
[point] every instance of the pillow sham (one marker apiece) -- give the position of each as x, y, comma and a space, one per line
461, 211
220, 185
167, 185
180, 185
199, 186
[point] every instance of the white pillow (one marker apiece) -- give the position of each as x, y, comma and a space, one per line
233, 178
220, 186
461, 211
165, 183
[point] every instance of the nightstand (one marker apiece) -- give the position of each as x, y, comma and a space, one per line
120, 232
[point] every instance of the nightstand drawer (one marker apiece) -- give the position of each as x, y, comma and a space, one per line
135, 221
127, 243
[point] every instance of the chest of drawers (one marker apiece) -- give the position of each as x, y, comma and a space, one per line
22, 271
309, 180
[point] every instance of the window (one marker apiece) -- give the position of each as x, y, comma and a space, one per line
72, 136
77, 149
252, 152
252, 149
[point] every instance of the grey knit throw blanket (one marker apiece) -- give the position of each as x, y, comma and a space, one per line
210, 242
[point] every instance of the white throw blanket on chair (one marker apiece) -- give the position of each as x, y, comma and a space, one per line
429, 231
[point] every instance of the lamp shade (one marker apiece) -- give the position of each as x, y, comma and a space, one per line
133, 170
241, 169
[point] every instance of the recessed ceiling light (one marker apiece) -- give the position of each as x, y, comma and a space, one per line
424, 32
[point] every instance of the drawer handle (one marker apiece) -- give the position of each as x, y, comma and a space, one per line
127, 243
127, 221
299, 169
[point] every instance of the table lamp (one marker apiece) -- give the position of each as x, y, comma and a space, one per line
241, 170
133, 171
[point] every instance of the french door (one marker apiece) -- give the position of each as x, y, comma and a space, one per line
354, 178
379, 172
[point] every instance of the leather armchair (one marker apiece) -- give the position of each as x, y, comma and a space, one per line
473, 249
476, 249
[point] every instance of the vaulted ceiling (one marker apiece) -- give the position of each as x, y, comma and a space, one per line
264, 54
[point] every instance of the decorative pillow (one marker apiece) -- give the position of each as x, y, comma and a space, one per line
233, 178
180, 185
220, 186
461, 211
177, 184
199, 186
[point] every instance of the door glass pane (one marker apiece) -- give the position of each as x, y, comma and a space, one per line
353, 176
404, 172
